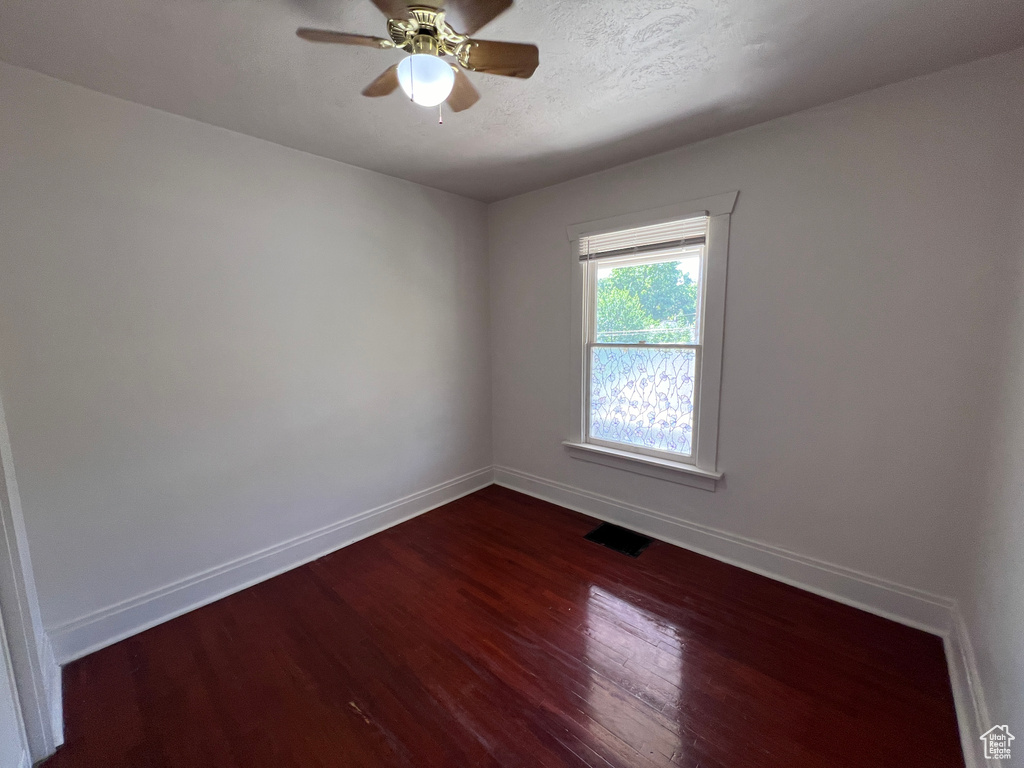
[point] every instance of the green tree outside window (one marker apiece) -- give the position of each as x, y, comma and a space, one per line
653, 303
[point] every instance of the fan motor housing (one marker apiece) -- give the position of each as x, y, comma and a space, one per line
426, 32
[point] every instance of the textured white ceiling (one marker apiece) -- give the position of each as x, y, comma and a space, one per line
618, 79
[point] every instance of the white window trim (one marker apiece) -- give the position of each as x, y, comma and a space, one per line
703, 472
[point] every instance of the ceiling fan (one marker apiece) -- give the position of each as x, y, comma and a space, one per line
425, 30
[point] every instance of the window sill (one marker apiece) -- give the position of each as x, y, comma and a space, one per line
663, 469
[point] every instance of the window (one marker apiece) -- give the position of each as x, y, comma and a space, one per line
643, 343
649, 301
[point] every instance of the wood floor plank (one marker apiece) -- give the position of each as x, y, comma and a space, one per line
488, 632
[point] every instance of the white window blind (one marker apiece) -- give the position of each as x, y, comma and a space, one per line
655, 237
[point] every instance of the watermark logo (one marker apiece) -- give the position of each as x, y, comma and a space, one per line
997, 743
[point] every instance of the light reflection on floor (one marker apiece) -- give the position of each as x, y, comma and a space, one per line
633, 654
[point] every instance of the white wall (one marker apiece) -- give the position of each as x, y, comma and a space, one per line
872, 433
993, 601
866, 256
210, 344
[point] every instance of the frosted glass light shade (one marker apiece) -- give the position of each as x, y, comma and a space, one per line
426, 79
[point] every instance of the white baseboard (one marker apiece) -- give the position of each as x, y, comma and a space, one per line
54, 685
906, 605
104, 627
913, 607
971, 708
921, 610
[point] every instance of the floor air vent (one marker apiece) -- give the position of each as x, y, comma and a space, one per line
620, 539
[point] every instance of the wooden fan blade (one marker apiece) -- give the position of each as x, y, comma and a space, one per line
463, 95
509, 59
384, 84
327, 36
467, 16
394, 9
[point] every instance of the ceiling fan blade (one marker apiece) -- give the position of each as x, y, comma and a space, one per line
327, 36
394, 9
509, 59
384, 84
463, 95
467, 16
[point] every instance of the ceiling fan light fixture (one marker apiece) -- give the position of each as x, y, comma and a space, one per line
426, 79
434, 72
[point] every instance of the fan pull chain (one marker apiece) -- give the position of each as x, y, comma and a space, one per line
440, 116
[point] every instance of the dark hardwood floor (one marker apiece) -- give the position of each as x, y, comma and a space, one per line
490, 633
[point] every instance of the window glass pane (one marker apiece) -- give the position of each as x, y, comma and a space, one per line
643, 396
656, 302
